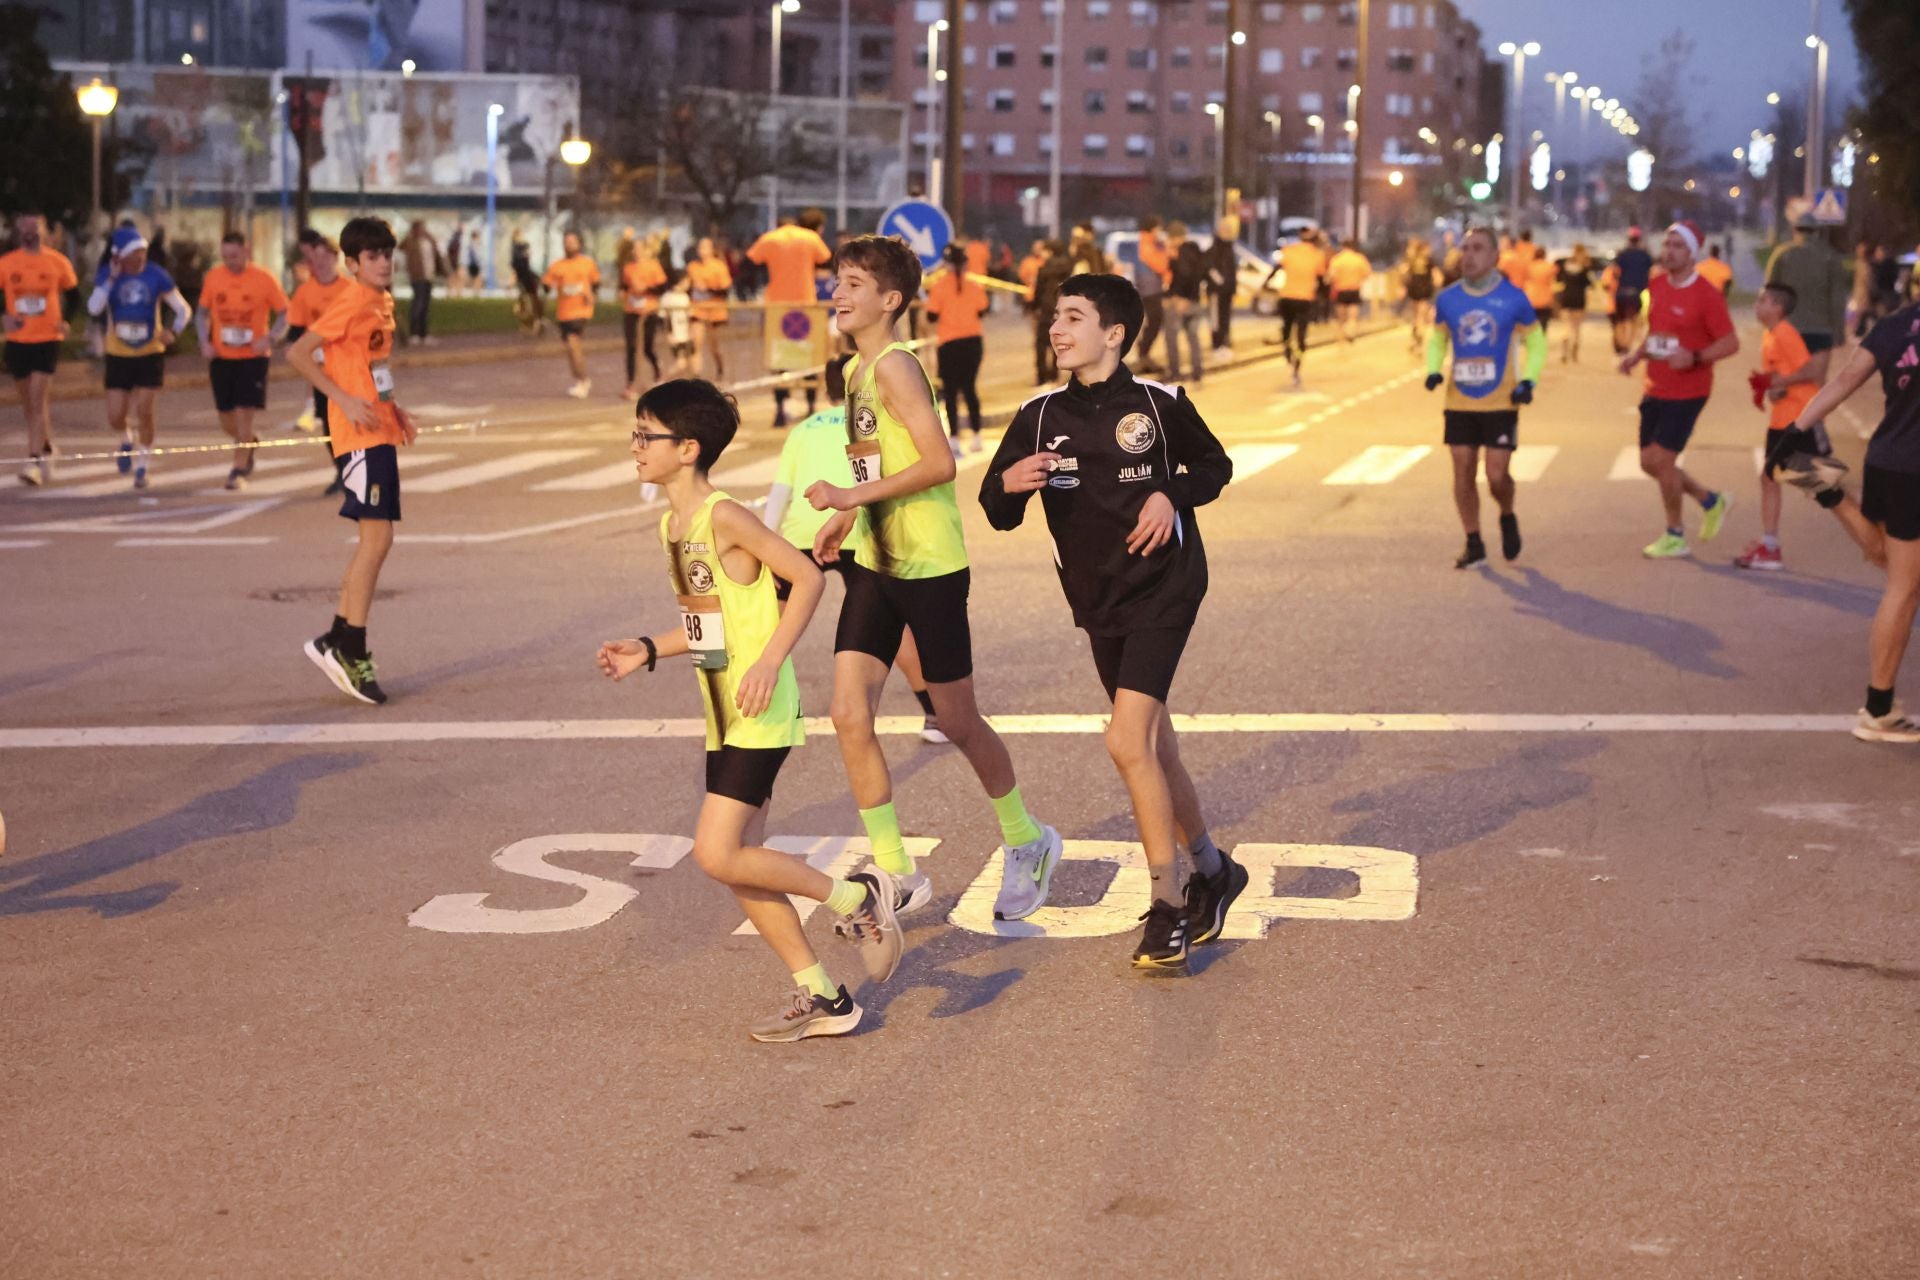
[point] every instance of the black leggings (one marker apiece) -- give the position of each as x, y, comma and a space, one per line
959, 364
641, 331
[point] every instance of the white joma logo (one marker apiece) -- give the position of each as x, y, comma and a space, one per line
1056, 442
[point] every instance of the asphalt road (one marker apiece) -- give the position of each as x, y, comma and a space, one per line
1583, 942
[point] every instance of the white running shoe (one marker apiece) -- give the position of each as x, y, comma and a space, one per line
1027, 876
580, 390
930, 732
1895, 726
873, 927
915, 890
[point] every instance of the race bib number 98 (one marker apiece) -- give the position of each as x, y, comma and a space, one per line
706, 631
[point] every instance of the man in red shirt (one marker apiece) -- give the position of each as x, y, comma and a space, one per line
1688, 329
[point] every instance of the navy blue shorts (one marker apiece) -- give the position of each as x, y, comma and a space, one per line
1669, 423
371, 478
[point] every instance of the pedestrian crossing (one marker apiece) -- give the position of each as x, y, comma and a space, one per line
586, 470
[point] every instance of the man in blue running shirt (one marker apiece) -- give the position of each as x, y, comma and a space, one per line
1635, 266
1481, 316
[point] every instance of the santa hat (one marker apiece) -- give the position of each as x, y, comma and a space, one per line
125, 240
1689, 232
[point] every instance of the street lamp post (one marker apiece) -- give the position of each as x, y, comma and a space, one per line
1219, 115
97, 101
1816, 109
1059, 107
1319, 126
494, 112
1273, 176
576, 151
846, 90
1363, 15
773, 110
1519, 53
934, 29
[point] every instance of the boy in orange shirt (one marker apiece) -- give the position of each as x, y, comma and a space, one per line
1787, 381
238, 304
574, 277
367, 427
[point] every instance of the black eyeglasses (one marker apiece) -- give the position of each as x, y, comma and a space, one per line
644, 437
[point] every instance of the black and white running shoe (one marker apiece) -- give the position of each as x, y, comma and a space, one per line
1163, 943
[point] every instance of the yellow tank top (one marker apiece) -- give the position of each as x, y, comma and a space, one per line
728, 626
918, 536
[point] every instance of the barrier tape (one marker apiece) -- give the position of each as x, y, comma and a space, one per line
162, 451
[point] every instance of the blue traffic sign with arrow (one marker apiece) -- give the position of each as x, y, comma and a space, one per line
925, 227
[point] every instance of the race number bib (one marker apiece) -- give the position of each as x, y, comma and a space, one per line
134, 335
1662, 345
236, 336
865, 460
319, 355
706, 631
383, 379
1474, 373
574, 290
30, 304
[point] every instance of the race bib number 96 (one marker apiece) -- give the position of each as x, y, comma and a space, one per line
865, 461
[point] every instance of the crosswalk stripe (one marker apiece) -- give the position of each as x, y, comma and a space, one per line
1626, 464
752, 475
317, 477
162, 478
1530, 461
512, 464
1378, 464
611, 476
1249, 460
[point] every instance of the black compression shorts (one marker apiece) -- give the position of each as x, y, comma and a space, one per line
745, 774
878, 608
1143, 661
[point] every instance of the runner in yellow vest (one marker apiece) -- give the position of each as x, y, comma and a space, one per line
722, 563
903, 476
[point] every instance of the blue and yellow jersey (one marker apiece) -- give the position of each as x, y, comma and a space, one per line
133, 311
1483, 328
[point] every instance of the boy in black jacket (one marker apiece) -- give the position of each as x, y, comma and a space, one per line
1120, 465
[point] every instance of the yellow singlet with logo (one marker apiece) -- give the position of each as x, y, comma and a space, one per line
918, 536
728, 626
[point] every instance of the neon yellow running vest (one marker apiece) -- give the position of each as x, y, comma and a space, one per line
918, 536
728, 626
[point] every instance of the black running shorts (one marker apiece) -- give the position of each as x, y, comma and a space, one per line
1347, 298
782, 588
238, 384
1143, 661
572, 328
745, 774
1891, 499
1491, 429
25, 358
1817, 341
125, 373
371, 478
1669, 423
878, 608
1626, 306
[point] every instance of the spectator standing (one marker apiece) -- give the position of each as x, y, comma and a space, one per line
423, 264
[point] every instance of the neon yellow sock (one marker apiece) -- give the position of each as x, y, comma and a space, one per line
846, 897
1016, 824
883, 835
817, 981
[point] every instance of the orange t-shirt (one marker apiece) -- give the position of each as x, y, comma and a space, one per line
1542, 281
789, 254
636, 278
358, 333
1715, 272
34, 282
1030, 270
1302, 263
1349, 270
709, 277
239, 307
1784, 351
311, 299
1513, 265
978, 251
955, 303
574, 278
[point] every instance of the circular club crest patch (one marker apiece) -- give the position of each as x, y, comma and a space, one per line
1135, 433
864, 421
700, 577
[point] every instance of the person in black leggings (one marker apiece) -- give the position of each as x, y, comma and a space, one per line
956, 303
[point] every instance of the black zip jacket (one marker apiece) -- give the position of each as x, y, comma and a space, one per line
1189, 272
1120, 441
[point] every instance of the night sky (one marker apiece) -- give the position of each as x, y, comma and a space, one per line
1743, 49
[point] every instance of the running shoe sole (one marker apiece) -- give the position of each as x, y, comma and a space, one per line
917, 897
1170, 962
1867, 733
334, 672
827, 1025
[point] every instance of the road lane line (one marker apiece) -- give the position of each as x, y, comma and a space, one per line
1626, 464
317, 477
611, 476
1378, 464
527, 531
363, 732
22, 544
163, 479
194, 542
1530, 461
493, 469
1249, 460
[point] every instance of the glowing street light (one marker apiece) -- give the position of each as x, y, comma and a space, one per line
97, 102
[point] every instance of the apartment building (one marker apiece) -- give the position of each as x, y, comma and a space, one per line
1137, 78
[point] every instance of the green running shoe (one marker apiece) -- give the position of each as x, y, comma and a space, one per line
1668, 546
1715, 516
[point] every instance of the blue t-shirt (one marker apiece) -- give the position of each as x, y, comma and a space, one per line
1482, 327
1636, 268
133, 311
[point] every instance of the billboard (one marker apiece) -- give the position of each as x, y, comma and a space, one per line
377, 35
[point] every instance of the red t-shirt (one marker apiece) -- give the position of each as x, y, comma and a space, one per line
1693, 317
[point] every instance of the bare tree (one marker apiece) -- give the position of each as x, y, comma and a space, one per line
1661, 107
721, 147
